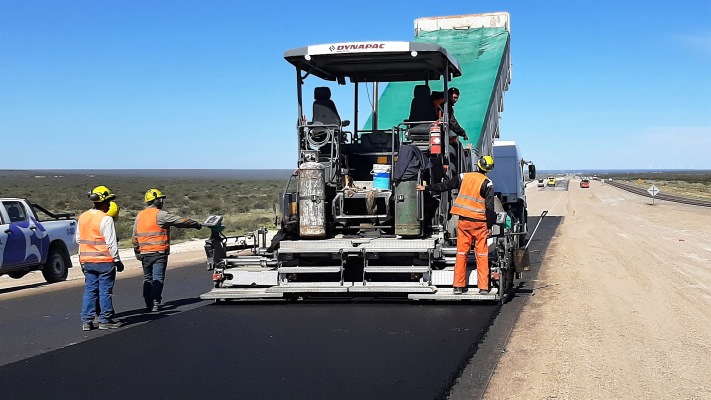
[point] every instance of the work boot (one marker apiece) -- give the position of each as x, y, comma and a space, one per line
156, 306
458, 290
483, 291
87, 326
109, 325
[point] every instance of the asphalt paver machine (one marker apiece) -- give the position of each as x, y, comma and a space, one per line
352, 222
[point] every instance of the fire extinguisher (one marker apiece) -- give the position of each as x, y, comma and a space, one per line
435, 139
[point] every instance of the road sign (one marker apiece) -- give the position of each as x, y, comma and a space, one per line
653, 192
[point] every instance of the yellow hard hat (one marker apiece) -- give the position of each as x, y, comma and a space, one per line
486, 163
114, 210
153, 194
101, 194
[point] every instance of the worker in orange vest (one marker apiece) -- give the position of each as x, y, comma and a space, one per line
151, 243
475, 207
112, 212
99, 259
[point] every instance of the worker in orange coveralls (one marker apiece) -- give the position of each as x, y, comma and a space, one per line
475, 207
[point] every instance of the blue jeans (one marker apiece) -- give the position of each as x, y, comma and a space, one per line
99, 280
154, 266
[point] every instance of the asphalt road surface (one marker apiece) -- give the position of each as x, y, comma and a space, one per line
363, 349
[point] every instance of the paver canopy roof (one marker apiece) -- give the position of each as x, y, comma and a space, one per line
374, 61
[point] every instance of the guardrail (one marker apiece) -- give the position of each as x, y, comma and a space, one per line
660, 196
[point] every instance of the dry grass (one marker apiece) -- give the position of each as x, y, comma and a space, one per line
680, 188
693, 184
246, 204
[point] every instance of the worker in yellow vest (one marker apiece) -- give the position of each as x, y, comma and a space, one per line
151, 243
99, 259
475, 207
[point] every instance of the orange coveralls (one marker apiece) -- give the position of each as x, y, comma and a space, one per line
475, 206
470, 205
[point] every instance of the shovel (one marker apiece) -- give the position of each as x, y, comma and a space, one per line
521, 259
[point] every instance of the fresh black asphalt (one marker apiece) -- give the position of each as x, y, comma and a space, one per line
323, 349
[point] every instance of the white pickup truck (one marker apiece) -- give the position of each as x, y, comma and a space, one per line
30, 244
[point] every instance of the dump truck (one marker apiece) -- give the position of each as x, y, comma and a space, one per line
352, 221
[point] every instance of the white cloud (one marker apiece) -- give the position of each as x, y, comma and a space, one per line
698, 43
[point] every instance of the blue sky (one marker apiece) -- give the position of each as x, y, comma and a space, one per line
203, 84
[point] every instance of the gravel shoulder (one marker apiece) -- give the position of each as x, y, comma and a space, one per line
623, 305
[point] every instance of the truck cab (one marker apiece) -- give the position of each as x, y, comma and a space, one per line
509, 176
28, 243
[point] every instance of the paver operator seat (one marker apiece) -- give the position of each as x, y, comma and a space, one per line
421, 109
325, 113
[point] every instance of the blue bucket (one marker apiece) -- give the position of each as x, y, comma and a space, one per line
381, 177
381, 180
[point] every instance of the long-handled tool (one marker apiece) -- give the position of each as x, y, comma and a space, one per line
521, 259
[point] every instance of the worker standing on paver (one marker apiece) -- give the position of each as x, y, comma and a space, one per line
99, 259
475, 207
151, 243
453, 97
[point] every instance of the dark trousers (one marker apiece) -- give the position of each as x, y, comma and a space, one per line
154, 266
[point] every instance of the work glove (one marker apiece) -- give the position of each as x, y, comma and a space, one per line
464, 136
119, 265
198, 227
139, 256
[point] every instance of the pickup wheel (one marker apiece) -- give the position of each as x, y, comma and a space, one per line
56, 270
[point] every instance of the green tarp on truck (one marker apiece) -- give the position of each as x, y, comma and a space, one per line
483, 55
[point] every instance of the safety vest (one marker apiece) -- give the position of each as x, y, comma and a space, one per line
469, 202
151, 237
92, 245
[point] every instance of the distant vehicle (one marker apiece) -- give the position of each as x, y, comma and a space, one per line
28, 244
585, 183
541, 183
594, 177
551, 181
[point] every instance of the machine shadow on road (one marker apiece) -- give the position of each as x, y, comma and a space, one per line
538, 248
140, 315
